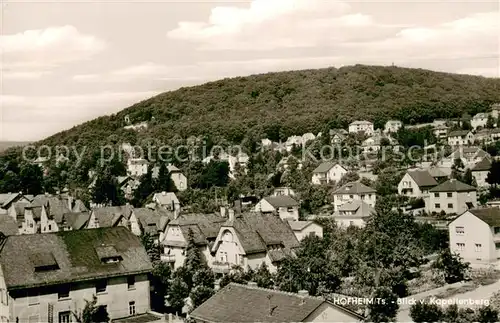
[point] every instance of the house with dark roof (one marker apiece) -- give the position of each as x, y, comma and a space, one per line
8, 200
128, 185
150, 221
328, 172
439, 174
249, 303
250, 239
45, 277
475, 235
460, 138
168, 201
284, 206
110, 216
8, 225
303, 229
353, 213
480, 172
354, 191
337, 136
451, 197
416, 183
204, 228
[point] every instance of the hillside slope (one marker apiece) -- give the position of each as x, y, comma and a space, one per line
282, 104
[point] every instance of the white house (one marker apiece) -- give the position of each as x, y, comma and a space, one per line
8, 200
179, 179
452, 197
353, 213
293, 141
440, 131
479, 120
168, 201
337, 136
46, 277
285, 206
303, 229
417, 183
460, 138
308, 137
137, 166
480, 172
279, 191
110, 216
365, 127
392, 126
328, 172
475, 235
250, 239
354, 191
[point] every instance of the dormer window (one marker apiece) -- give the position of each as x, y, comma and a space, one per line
108, 254
44, 261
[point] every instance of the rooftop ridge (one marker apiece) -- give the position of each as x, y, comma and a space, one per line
319, 298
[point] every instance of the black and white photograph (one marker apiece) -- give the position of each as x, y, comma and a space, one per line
240, 161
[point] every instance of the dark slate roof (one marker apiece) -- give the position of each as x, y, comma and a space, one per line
243, 303
325, 167
37, 211
8, 225
354, 188
423, 178
489, 215
204, 226
281, 201
108, 216
78, 220
55, 206
256, 231
150, 220
299, 225
458, 133
467, 151
483, 165
6, 199
75, 254
453, 185
436, 172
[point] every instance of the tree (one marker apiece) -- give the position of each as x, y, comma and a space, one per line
490, 123
452, 266
106, 191
164, 182
263, 277
92, 313
151, 247
493, 178
31, 179
177, 293
194, 260
385, 306
144, 190
347, 178
486, 314
200, 294
160, 281
468, 178
424, 311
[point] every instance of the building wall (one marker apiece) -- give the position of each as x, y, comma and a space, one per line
180, 181
341, 199
134, 225
480, 177
479, 122
264, 206
4, 300
406, 183
92, 221
311, 228
475, 231
346, 222
326, 312
116, 298
229, 249
457, 200
336, 173
174, 234
366, 128
289, 213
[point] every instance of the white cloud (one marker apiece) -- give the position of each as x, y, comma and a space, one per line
36, 51
7, 75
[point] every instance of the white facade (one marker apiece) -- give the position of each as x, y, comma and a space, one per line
451, 202
333, 175
341, 199
479, 120
284, 212
460, 139
392, 126
361, 127
137, 167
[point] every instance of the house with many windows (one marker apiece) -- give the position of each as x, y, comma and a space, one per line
328, 172
417, 183
479, 120
452, 197
460, 138
393, 126
284, 206
475, 235
354, 191
46, 277
365, 127
353, 213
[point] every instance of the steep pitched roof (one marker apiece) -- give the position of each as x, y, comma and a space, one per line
281, 201
483, 165
166, 198
243, 303
8, 225
489, 215
299, 225
453, 185
464, 151
7, 198
354, 188
325, 167
360, 208
150, 220
436, 172
256, 231
108, 216
422, 178
204, 227
458, 133
77, 221
75, 255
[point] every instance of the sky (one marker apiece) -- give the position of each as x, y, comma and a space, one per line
66, 62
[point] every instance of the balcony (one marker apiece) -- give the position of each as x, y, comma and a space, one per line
221, 267
167, 258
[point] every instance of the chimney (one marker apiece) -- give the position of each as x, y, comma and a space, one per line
231, 214
303, 293
237, 206
163, 193
252, 284
223, 211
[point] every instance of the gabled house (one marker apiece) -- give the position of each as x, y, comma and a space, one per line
337, 136
354, 191
8, 200
417, 183
452, 197
460, 138
46, 277
204, 228
250, 239
303, 229
479, 120
148, 221
32, 219
110, 216
249, 303
328, 172
74, 221
279, 191
393, 126
8, 225
439, 174
179, 179
128, 185
480, 172
353, 213
468, 155
167, 201
137, 167
475, 235
284, 206
441, 131
365, 127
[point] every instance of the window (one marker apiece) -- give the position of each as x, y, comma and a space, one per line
497, 245
63, 292
33, 297
460, 246
437, 205
65, 317
100, 286
34, 319
449, 194
131, 308
436, 194
350, 196
450, 205
131, 282
290, 209
460, 230
477, 247
50, 227
351, 223
497, 230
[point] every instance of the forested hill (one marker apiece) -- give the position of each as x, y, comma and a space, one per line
287, 103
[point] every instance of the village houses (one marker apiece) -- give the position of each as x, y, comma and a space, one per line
441, 131
8, 202
47, 277
354, 191
479, 120
475, 235
460, 138
353, 213
284, 206
168, 201
249, 303
179, 179
393, 126
328, 172
451, 197
110, 216
365, 127
337, 136
417, 183
279, 191
151, 222
137, 167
